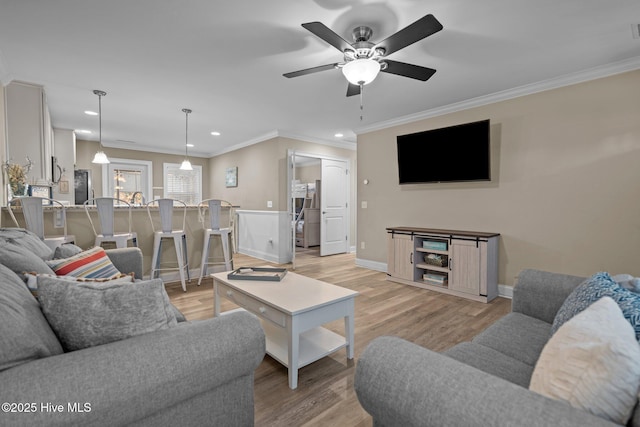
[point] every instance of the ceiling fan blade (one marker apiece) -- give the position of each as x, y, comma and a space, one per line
311, 70
408, 70
420, 29
328, 35
353, 90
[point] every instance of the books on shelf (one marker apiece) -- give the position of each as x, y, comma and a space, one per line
434, 244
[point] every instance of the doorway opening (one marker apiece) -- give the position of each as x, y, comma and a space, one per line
318, 195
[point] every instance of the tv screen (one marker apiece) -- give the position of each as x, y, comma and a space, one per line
456, 153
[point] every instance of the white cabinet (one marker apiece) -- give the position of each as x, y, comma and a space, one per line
65, 155
462, 263
29, 132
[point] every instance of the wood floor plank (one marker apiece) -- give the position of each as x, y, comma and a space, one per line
325, 395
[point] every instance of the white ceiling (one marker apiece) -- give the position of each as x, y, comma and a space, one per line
225, 60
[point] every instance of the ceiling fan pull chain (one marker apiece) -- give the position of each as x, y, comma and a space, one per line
361, 99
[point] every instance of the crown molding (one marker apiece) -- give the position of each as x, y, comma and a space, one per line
265, 137
620, 67
5, 74
347, 145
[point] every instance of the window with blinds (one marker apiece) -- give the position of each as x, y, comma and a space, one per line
183, 185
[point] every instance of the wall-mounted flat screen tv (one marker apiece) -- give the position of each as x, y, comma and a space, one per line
455, 153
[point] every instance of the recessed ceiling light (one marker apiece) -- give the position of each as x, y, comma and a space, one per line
215, 133
82, 131
338, 135
91, 113
190, 145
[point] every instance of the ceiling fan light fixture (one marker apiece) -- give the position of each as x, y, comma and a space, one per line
361, 71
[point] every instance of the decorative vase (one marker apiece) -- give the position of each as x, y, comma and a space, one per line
17, 178
18, 189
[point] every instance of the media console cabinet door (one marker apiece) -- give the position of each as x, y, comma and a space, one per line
466, 271
400, 255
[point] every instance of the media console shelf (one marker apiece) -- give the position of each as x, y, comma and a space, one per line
455, 262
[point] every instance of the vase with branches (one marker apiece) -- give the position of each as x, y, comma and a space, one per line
17, 178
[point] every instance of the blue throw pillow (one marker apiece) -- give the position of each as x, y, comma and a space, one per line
597, 286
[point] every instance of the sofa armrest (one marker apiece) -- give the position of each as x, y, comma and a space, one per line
129, 380
127, 260
401, 383
540, 294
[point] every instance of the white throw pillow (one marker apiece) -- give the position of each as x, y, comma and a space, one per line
592, 363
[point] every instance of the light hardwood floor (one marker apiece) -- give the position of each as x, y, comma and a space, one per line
325, 395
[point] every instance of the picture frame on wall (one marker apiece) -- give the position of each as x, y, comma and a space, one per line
63, 187
231, 177
45, 191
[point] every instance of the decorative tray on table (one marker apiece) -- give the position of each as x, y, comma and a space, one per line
257, 273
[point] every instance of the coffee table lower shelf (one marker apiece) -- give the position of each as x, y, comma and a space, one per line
314, 344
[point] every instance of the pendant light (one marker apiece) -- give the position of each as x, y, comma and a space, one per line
100, 157
186, 164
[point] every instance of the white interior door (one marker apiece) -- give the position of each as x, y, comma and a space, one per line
333, 207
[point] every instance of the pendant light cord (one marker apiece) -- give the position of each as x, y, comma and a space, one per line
100, 94
100, 119
186, 133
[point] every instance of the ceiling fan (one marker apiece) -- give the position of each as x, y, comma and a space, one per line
364, 59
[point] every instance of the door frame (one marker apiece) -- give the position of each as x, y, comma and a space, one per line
290, 176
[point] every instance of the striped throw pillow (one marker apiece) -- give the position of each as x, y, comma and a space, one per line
91, 264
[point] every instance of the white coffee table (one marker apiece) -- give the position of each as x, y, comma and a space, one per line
292, 312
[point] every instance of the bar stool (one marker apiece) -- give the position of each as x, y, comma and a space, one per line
33, 213
215, 207
106, 207
165, 209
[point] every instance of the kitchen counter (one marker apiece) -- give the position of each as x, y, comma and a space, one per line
78, 225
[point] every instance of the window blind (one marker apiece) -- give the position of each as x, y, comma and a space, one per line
183, 185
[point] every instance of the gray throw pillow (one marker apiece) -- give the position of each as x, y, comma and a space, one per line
26, 240
89, 314
66, 250
25, 334
20, 259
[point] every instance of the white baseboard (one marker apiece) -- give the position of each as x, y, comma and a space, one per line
266, 256
505, 291
372, 265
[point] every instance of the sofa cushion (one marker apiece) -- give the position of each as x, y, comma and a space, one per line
517, 335
492, 362
27, 240
89, 314
91, 264
25, 334
595, 287
592, 363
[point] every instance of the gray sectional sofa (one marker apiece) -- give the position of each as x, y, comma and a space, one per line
479, 383
189, 374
